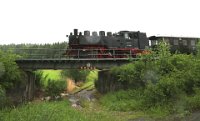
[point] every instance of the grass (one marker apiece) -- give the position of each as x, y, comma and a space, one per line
90, 79
56, 75
89, 83
50, 74
133, 100
58, 111
46, 111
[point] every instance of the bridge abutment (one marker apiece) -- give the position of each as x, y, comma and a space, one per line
107, 82
30, 86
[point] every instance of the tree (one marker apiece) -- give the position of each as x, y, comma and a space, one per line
10, 74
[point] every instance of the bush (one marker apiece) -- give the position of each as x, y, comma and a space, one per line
55, 87
168, 84
130, 74
162, 93
2, 97
186, 72
39, 79
10, 73
75, 74
193, 102
123, 100
2, 69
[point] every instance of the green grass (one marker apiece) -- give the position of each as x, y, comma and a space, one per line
57, 111
89, 83
133, 100
90, 79
46, 111
56, 75
52, 74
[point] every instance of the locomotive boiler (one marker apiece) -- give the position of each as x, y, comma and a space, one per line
122, 44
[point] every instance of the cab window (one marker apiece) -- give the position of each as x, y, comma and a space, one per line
126, 36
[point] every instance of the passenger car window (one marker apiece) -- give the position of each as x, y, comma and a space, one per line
153, 42
192, 42
185, 42
166, 40
175, 42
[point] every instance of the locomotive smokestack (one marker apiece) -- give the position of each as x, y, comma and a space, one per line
86, 33
102, 33
109, 34
94, 33
75, 31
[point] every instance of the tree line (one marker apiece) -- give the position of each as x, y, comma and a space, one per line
54, 50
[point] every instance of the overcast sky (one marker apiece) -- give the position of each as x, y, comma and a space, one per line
48, 21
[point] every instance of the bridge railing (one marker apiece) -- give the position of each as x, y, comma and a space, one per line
45, 53
101, 53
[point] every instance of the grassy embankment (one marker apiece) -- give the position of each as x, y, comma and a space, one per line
56, 111
62, 110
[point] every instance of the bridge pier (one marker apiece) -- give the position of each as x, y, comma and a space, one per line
30, 86
107, 82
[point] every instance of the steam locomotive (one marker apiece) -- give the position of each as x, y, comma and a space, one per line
118, 45
123, 44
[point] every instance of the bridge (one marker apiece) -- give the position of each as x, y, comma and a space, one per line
43, 58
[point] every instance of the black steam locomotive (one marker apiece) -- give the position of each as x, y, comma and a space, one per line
123, 44
118, 45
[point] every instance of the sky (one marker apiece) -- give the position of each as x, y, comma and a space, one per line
49, 21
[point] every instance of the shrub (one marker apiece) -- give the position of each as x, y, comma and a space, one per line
186, 72
55, 87
130, 74
2, 97
167, 84
12, 74
38, 79
123, 100
193, 102
75, 74
2, 69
